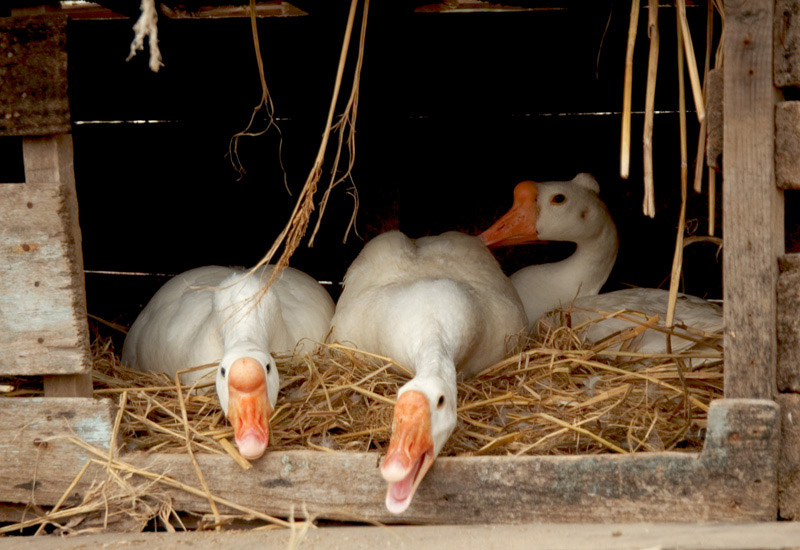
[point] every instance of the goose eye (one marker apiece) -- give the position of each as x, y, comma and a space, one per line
558, 199
269, 367
222, 371
440, 403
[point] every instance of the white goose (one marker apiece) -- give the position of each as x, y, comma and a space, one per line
572, 211
209, 314
440, 306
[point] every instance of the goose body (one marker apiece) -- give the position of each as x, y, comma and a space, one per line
211, 314
693, 317
573, 211
440, 306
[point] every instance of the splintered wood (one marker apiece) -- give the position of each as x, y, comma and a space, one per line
557, 396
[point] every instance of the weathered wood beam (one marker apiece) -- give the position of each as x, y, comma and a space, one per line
734, 478
43, 327
35, 457
787, 144
752, 203
788, 328
786, 43
789, 465
33, 71
608, 536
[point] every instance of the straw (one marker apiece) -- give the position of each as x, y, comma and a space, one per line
649, 206
625, 152
691, 63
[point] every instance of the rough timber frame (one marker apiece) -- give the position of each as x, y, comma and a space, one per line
734, 478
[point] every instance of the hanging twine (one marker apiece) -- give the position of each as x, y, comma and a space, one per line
147, 26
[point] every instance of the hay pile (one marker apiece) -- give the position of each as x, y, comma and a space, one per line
556, 395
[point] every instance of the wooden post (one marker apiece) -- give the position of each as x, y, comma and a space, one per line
43, 327
752, 204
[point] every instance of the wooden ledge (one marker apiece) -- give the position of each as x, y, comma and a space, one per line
734, 478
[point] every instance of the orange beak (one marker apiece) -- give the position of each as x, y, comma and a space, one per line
410, 452
518, 225
248, 407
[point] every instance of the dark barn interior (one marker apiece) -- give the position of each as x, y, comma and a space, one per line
455, 108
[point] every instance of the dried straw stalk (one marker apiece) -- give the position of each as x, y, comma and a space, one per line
649, 205
677, 260
691, 63
296, 227
625, 152
346, 126
701, 138
265, 103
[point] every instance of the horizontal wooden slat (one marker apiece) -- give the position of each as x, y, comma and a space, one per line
734, 478
33, 71
33, 451
43, 328
788, 325
613, 536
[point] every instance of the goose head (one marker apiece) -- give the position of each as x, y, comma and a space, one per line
552, 211
424, 418
247, 386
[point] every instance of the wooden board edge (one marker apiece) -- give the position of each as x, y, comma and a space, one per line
734, 478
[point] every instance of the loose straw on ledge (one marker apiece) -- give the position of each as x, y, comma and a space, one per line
340, 398
555, 395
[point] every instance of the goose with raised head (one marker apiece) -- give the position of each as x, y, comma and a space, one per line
217, 314
558, 211
440, 306
573, 211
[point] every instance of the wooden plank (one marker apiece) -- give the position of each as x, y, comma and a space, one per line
734, 478
43, 327
553, 536
789, 465
788, 326
36, 463
272, 8
752, 204
787, 144
714, 118
33, 69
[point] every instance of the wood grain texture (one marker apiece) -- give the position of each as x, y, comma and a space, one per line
36, 463
734, 478
43, 327
33, 70
789, 465
787, 144
788, 327
68, 385
714, 118
752, 204
786, 43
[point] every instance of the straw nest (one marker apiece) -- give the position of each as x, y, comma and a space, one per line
555, 394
